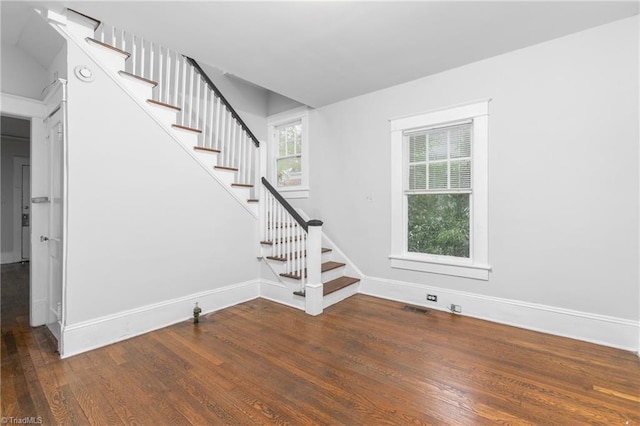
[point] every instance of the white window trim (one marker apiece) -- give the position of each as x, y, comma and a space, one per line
477, 265
273, 122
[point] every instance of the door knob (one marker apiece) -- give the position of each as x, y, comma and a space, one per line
43, 238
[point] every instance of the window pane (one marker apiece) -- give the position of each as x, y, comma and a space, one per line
439, 224
418, 176
417, 148
289, 171
461, 174
438, 145
460, 140
438, 175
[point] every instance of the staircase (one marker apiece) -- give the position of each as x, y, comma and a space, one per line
182, 99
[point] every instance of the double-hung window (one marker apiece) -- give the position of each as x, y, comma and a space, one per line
439, 191
289, 157
289, 152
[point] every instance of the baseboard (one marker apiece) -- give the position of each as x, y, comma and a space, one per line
280, 293
38, 313
95, 333
600, 329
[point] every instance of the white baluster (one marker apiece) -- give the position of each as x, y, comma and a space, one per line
197, 100
134, 54
123, 44
142, 57
184, 90
163, 87
151, 65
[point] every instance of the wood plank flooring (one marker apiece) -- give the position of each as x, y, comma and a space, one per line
365, 361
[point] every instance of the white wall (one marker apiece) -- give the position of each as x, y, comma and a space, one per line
20, 74
148, 228
248, 100
563, 164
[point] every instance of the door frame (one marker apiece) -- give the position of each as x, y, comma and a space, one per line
36, 111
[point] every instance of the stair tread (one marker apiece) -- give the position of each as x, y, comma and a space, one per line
325, 267
191, 129
338, 284
293, 255
162, 104
242, 185
281, 240
201, 148
333, 285
253, 200
233, 169
108, 46
137, 77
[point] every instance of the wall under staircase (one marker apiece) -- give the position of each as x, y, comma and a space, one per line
149, 231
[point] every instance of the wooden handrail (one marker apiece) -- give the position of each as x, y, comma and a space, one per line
286, 205
233, 112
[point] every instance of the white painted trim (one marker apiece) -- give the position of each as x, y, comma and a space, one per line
477, 265
297, 114
189, 150
600, 329
24, 107
98, 332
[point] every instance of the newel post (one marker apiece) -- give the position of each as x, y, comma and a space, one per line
313, 288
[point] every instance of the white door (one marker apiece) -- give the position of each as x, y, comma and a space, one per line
26, 212
55, 135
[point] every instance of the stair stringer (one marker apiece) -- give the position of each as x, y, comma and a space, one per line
58, 23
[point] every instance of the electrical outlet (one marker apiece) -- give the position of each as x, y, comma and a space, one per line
432, 298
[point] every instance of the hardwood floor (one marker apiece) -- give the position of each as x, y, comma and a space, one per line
365, 361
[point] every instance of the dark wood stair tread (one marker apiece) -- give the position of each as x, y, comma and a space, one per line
338, 284
233, 169
293, 255
242, 185
108, 46
325, 267
203, 149
191, 129
253, 200
162, 104
281, 240
333, 285
137, 77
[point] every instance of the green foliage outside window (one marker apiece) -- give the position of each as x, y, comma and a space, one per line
439, 224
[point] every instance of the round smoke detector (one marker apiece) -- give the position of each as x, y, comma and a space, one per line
83, 73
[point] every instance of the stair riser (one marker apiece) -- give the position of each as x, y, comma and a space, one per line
340, 295
141, 90
165, 115
208, 158
78, 27
113, 61
333, 274
188, 138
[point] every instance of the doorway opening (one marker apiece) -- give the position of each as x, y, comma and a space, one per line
15, 219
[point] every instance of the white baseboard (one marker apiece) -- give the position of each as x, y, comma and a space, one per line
95, 333
604, 330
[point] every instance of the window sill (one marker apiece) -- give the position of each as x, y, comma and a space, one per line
456, 269
294, 192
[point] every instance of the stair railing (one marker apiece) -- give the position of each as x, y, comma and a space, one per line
183, 83
295, 242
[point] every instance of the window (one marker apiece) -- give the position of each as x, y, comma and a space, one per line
439, 191
289, 159
289, 146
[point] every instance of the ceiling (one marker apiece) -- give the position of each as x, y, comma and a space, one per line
321, 52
